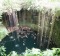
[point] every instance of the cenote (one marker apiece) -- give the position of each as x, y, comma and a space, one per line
22, 41
19, 43
29, 24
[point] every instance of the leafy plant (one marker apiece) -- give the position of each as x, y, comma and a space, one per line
32, 52
3, 32
38, 52
13, 53
56, 51
2, 51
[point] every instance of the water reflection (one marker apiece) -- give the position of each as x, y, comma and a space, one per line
13, 42
16, 45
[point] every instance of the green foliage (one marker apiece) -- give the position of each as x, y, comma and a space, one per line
3, 32
57, 12
28, 4
2, 51
56, 32
54, 0
56, 51
32, 52
38, 52
13, 53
